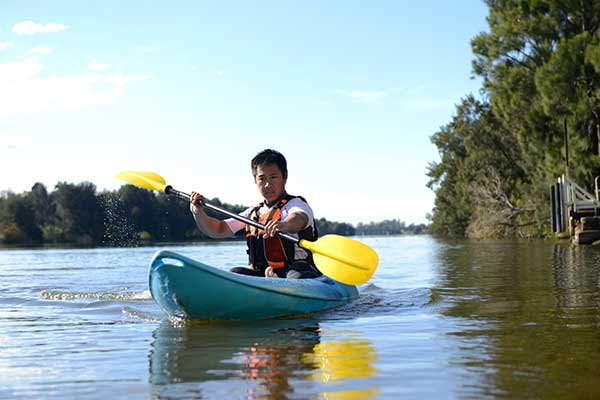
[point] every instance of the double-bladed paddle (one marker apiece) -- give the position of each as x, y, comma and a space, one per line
339, 257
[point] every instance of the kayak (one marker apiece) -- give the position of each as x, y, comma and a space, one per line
188, 289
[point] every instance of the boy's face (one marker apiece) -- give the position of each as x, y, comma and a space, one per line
270, 182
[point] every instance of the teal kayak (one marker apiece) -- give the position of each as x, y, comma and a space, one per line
189, 289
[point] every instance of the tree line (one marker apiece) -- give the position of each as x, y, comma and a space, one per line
540, 67
78, 214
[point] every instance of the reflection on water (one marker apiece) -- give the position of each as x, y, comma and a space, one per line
266, 359
576, 278
528, 316
457, 320
348, 357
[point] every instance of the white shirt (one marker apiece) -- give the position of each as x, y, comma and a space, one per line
292, 206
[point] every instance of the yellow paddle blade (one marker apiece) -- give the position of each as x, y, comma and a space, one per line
343, 259
143, 179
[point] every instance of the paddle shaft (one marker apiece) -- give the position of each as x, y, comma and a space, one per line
184, 196
333, 254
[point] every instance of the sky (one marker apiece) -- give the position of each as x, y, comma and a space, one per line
349, 91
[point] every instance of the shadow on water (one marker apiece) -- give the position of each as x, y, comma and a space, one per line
526, 315
262, 359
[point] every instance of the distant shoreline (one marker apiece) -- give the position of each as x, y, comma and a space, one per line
77, 215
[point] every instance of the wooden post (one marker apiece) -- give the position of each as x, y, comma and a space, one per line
566, 139
553, 218
598, 137
559, 208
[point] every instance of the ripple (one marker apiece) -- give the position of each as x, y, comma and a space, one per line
374, 301
142, 315
67, 296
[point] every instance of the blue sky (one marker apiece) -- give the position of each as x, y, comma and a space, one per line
349, 91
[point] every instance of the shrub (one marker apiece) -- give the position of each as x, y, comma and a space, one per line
13, 234
52, 233
145, 236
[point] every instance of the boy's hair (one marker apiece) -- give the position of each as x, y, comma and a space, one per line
267, 157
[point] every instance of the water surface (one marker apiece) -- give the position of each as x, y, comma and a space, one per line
455, 320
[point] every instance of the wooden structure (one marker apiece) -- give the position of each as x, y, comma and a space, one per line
575, 211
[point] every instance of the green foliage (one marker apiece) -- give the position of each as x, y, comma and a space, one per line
474, 148
75, 213
79, 214
142, 206
39, 200
390, 227
341, 228
540, 64
18, 219
12, 234
52, 234
145, 236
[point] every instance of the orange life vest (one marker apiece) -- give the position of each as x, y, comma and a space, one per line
273, 252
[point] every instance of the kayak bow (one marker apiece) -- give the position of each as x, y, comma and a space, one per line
189, 289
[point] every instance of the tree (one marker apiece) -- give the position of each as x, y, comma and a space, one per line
325, 227
42, 206
540, 64
75, 213
18, 220
141, 206
471, 146
79, 214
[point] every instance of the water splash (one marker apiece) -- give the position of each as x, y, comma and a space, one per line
141, 315
119, 231
65, 296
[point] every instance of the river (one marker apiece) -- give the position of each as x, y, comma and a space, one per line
438, 320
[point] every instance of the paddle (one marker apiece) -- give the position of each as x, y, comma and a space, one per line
339, 257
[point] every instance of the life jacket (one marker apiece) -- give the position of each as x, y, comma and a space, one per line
274, 251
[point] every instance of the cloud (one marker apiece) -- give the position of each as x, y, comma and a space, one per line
31, 28
365, 96
10, 143
13, 142
100, 67
120, 79
26, 90
40, 51
8, 147
5, 45
19, 71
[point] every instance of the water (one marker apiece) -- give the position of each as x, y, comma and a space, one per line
439, 320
